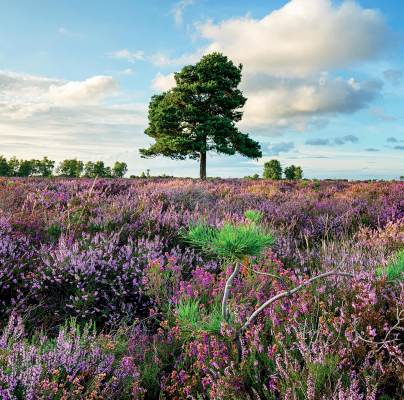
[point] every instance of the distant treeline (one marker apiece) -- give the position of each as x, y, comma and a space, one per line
72, 168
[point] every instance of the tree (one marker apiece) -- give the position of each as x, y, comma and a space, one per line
14, 166
272, 170
298, 173
100, 170
4, 167
89, 170
293, 172
290, 172
97, 169
119, 169
72, 168
26, 168
44, 167
199, 114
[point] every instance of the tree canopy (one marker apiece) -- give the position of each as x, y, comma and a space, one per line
200, 113
293, 172
272, 170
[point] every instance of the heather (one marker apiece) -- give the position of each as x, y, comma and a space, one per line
115, 289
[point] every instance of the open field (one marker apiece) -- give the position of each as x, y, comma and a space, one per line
104, 296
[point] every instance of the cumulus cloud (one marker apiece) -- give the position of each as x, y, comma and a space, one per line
162, 82
398, 147
283, 101
301, 38
285, 55
283, 147
178, 10
89, 91
125, 54
393, 76
371, 149
392, 139
289, 57
24, 95
40, 115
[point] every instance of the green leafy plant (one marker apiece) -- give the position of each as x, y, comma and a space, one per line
394, 269
231, 243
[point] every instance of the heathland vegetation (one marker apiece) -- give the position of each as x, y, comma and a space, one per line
257, 289
175, 289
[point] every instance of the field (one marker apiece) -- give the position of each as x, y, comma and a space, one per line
108, 292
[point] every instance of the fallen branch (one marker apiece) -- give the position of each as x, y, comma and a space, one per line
288, 293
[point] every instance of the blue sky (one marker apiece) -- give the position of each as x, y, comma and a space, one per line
324, 80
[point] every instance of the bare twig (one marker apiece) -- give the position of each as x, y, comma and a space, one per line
288, 293
396, 326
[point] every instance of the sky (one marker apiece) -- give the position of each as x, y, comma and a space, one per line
324, 80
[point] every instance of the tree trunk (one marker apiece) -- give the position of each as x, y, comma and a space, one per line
202, 165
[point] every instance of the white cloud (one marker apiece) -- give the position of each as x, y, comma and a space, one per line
125, 54
43, 116
162, 82
21, 95
89, 91
289, 57
178, 10
291, 102
301, 38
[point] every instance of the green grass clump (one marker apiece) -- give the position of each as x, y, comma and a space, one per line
188, 313
192, 321
254, 216
394, 269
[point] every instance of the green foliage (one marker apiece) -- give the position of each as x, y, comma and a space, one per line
97, 170
325, 372
394, 269
272, 170
230, 241
4, 167
14, 166
254, 216
192, 321
54, 231
199, 114
119, 169
44, 167
72, 168
298, 173
252, 177
188, 313
293, 172
25, 168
